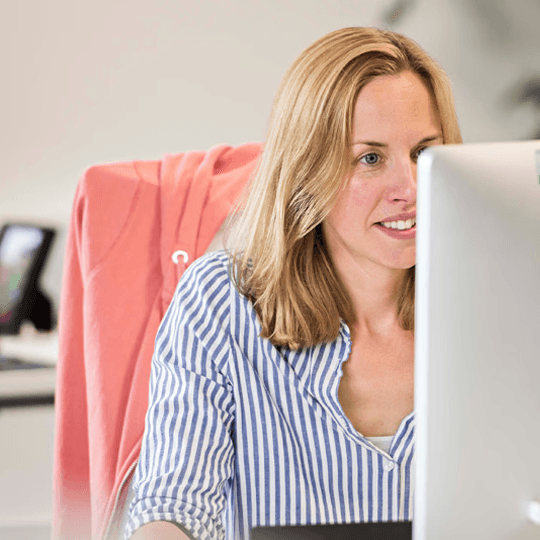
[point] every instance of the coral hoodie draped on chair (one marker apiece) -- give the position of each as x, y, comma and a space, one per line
134, 229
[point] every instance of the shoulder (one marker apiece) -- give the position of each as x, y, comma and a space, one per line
216, 264
206, 281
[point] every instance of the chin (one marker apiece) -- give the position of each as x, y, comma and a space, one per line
402, 263
404, 266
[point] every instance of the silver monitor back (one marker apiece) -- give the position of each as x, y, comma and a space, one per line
477, 342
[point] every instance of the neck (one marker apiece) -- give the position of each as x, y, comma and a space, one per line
374, 293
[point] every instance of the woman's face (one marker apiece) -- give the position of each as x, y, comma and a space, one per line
395, 118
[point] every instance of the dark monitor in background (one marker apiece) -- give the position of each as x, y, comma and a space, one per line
23, 251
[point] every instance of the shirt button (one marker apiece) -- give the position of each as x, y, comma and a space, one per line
388, 465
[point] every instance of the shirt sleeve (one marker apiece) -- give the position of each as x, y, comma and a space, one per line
185, 468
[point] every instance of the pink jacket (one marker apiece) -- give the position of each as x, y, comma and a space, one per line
119, 276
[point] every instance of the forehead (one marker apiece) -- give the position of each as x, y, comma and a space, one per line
389, 102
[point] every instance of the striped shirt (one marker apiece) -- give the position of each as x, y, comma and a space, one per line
240, 433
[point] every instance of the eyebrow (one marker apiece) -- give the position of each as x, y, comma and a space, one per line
383, 145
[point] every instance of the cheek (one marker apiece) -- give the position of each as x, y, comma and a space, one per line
354, 205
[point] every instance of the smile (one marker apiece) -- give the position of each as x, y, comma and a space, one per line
400, 230
400, 225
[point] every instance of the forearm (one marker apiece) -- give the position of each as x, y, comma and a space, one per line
160, 530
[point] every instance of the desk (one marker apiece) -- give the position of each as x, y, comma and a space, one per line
29, 386
27, 438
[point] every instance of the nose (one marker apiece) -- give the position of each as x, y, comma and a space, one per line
403, 181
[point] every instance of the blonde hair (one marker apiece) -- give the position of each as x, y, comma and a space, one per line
281, 263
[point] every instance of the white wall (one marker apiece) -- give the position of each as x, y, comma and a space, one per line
114, 80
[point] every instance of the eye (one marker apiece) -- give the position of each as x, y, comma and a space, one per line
418, 152
370, 159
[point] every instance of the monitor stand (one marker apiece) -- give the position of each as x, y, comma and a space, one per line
40, 311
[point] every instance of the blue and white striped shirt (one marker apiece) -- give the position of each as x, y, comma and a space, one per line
240, 433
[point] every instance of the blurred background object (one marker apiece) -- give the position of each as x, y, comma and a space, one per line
491, 52
23, 254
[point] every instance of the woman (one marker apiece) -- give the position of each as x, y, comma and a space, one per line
282, 383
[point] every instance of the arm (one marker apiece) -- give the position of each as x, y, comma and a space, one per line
191, 411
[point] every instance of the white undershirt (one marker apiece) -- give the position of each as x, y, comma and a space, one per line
381, 442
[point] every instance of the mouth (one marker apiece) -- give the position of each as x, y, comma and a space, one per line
399, 225
401, 230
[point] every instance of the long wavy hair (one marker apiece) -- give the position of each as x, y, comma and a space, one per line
279, 259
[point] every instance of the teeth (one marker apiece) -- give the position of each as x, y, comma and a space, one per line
401, 225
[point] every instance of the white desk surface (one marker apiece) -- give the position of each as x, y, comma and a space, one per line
32, 346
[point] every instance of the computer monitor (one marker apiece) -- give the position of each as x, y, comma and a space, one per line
477, 342
23, 251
